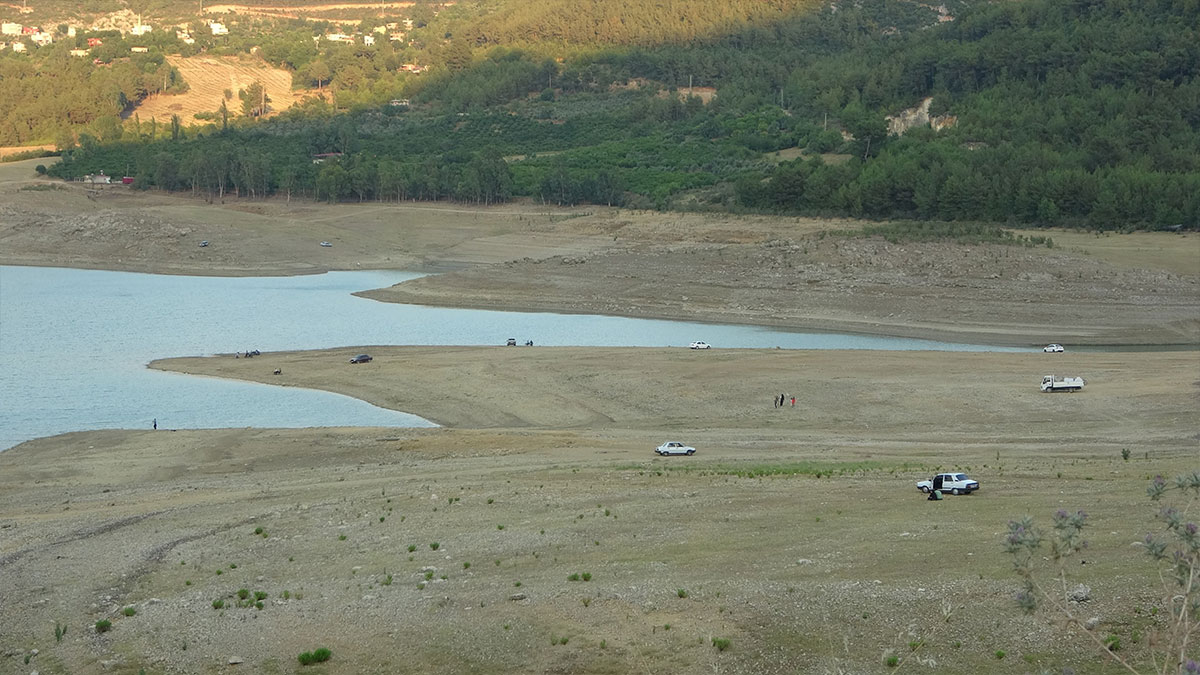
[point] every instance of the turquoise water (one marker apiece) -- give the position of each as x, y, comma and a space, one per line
74, 345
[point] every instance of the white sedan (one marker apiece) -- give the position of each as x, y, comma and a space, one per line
675, 448
1053, 348
699, 345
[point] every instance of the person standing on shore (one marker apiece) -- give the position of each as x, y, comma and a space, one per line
155, 423
793, 401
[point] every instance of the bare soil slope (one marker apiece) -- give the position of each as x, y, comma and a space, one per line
208, 77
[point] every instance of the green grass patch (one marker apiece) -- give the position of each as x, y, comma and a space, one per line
904, 231
316, 656
762, 470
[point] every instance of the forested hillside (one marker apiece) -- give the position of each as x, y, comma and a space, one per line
1081, 113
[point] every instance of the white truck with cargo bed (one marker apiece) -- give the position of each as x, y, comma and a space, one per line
1058, 383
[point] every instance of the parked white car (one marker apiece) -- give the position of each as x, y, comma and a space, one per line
954, 483
699, 345
675, 448
1053, 348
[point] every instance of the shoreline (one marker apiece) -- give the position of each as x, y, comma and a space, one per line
983, 336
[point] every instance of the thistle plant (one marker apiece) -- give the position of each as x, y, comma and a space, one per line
1174, 550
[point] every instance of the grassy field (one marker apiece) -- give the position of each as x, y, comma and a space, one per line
1177, 254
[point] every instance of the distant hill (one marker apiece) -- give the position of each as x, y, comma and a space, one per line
1059, 113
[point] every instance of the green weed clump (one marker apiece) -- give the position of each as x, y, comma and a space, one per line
681, 592
316, 656
60, 629
218, 604
129, 611
103, 626
721, 643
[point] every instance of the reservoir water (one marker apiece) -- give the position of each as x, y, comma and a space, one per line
74, 345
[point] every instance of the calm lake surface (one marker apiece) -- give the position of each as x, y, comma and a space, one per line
74, 345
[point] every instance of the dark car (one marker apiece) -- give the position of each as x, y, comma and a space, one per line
361, 358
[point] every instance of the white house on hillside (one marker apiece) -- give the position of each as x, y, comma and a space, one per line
218, 28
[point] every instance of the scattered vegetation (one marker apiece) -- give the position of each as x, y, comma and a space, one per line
103, 626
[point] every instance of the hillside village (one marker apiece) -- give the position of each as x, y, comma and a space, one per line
23, 38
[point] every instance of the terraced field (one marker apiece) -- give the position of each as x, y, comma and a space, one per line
208, 78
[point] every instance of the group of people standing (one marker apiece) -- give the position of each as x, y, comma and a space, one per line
781, 401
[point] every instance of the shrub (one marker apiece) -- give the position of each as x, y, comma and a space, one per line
574, 576
892, 661
103, 625
218, 604
681, 592
260, 595
258, 530
587, 576
433, 545
243, 593
412, 547
129, 611
60, 629
316, 656
721, 643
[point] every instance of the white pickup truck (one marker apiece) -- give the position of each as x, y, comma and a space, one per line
1056, 383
